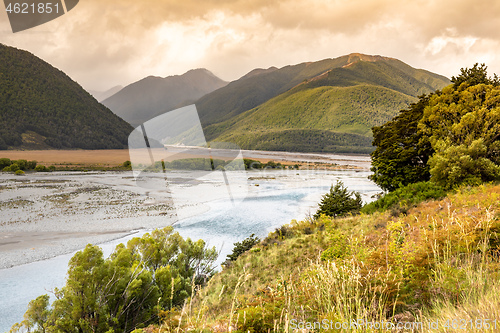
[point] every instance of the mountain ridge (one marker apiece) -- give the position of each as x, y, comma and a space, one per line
153, 95
43, 108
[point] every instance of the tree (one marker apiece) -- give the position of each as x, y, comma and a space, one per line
339, 202
463, 126
402, 151
242, 247
126, 290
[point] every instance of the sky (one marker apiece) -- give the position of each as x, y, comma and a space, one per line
103, 43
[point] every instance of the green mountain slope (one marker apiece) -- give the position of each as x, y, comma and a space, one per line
331, 112
42, 108
252, 90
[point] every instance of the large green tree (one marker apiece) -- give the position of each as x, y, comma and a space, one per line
449, 137
463, 126
155, 272
402, 151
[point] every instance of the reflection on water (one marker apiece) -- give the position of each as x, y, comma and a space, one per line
272, 205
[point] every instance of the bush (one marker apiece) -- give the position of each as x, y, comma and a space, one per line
22, 164
13, 167
339, 202
5, 162
41, 168
399, 200
242, 247
19, 172
51, 168
127, 164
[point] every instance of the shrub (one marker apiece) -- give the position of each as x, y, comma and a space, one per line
127, 164
22, 164
399, 200
13, 167
51, 168
339, 202
5, 162
41, 168
243, 246
19, 172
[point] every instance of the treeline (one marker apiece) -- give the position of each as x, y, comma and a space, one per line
304, 140
207, 164
52, 111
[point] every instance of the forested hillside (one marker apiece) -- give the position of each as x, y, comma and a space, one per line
42, 108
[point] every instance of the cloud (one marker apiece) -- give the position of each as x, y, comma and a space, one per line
104, 43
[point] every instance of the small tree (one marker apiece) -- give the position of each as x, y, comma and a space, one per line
339, 202
242, 247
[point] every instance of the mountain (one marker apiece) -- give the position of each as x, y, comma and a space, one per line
325, 106
42, 108
102, 95
152, 96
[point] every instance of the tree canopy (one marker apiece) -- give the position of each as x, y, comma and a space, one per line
127, 290
450, 137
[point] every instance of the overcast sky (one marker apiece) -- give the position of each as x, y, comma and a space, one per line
102, 43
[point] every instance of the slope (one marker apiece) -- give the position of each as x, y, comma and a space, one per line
42, 108
253, 90
332, 112
152, 96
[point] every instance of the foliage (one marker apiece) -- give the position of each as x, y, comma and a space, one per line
15, 165
339, 202
128, 289
19, 172
451, 137
463, 126
42, 108
243, 246
474, 76
402, 150
376, 268
405, 197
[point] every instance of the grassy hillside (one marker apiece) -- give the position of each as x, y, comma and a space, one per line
42, 108
333, 111
437, 262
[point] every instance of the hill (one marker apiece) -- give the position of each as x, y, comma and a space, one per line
42, 108
102, 95
152, 96
328, 106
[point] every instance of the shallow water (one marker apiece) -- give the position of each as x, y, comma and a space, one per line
269, 205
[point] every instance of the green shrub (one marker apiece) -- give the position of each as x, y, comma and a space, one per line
127, 164
5, 162
19, 172
22, 164
242, 247
339, 202
399, 200
51, 168
41, 168
31, 165
13, 167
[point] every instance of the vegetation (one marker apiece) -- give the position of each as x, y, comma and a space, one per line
439, 260
128, 290
328, 106
451, 137
243, 246
7, 165
339, 202
42, 108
